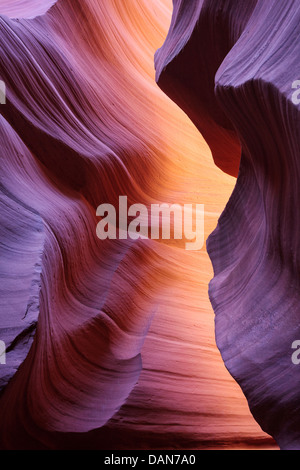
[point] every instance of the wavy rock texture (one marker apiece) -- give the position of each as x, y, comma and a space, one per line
255, 248
123, 352
25, 8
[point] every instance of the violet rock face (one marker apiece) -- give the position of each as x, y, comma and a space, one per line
238, 63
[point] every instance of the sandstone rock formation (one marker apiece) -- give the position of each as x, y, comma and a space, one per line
110, 344
233, 67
